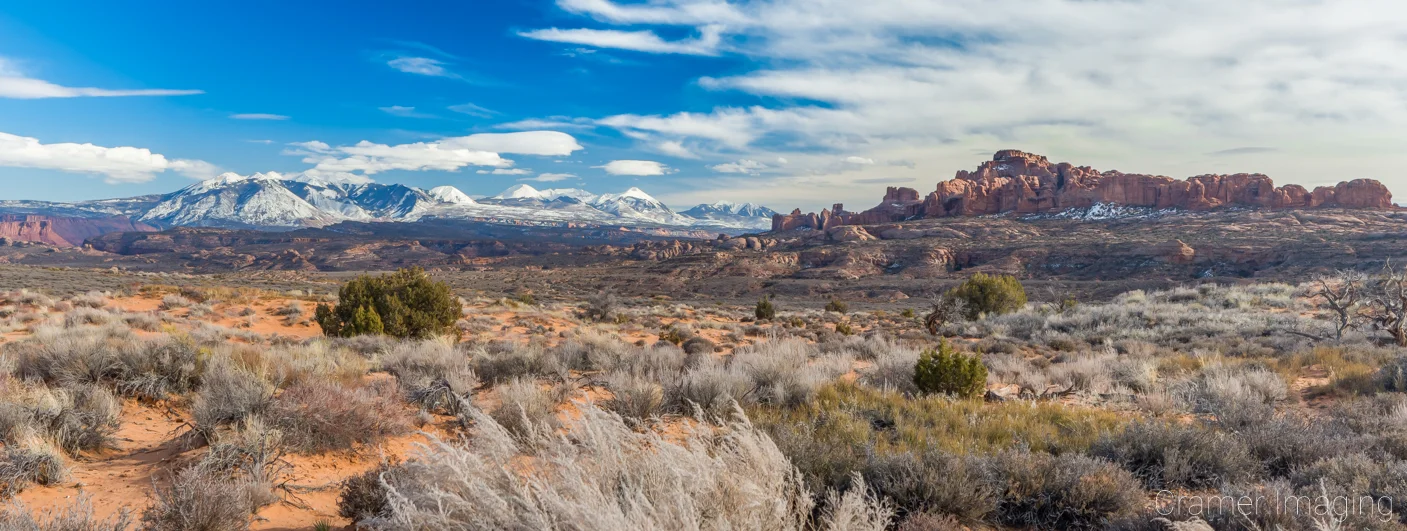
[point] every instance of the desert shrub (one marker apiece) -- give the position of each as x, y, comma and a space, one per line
783, 371
228, 394
171, 302
1067, 491
634, 397
502, 361
31, 462
92, 299
591, 351
673, 335
698, 345
601, 306
158, 368
710, 386
858, 509
1239, 397
81, 417
77, 516
403, 304
601, 474
846, 414
843, 328
318, 417
893, 370
142, 321
988, 294
86, 316
286, 365
201, 499
933, 483
364, 495
524, 407
433, 374
930, 522
837, 306
656, 363
1165, 455
948, 372
765, 309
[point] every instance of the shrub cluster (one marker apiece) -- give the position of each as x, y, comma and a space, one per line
948, 372
405, 304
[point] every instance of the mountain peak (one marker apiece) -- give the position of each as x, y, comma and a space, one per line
449, 194
519, 191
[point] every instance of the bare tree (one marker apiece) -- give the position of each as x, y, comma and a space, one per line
943, 311
1386, 295
1342, 292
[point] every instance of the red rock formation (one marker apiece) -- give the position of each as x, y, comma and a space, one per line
65, 231
1016, 181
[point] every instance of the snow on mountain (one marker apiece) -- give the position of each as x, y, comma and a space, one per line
275, 202
234, 201
635, 203
574, 193
734, 215
449, 194
519, 191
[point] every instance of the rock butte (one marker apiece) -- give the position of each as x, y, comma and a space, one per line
64, 231
1016, 181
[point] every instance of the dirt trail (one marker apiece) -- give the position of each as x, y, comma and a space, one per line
147, 445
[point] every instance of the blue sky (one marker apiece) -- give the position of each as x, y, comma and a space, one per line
784, 102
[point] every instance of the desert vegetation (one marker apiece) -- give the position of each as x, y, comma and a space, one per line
615, 413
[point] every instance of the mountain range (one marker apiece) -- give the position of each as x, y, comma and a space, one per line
271, 202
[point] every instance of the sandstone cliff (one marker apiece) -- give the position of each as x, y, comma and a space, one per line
1015, 181
65, 231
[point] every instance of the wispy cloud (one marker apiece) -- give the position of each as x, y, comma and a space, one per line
424, 66
473, 110
405, 112
258, 116
550, 177
1242, 151
16, 85
640, 41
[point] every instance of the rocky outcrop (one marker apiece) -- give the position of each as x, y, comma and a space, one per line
1016, 181
65, 231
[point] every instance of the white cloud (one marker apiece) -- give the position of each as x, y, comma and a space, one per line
506, 171
258, 116
862, 161
115, 164
550, 177
472, 110
14, 84
446, 154
405, 112
541, 143
555, 122
1139, 86
424, 66
641, 168
640, 41
747, 166
675, 148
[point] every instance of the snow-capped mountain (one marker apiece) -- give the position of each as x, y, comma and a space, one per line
255, 201
524, 192
636, 204
744, 215
273, 202
449, 194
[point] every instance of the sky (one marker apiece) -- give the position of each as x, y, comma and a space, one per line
787, 103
